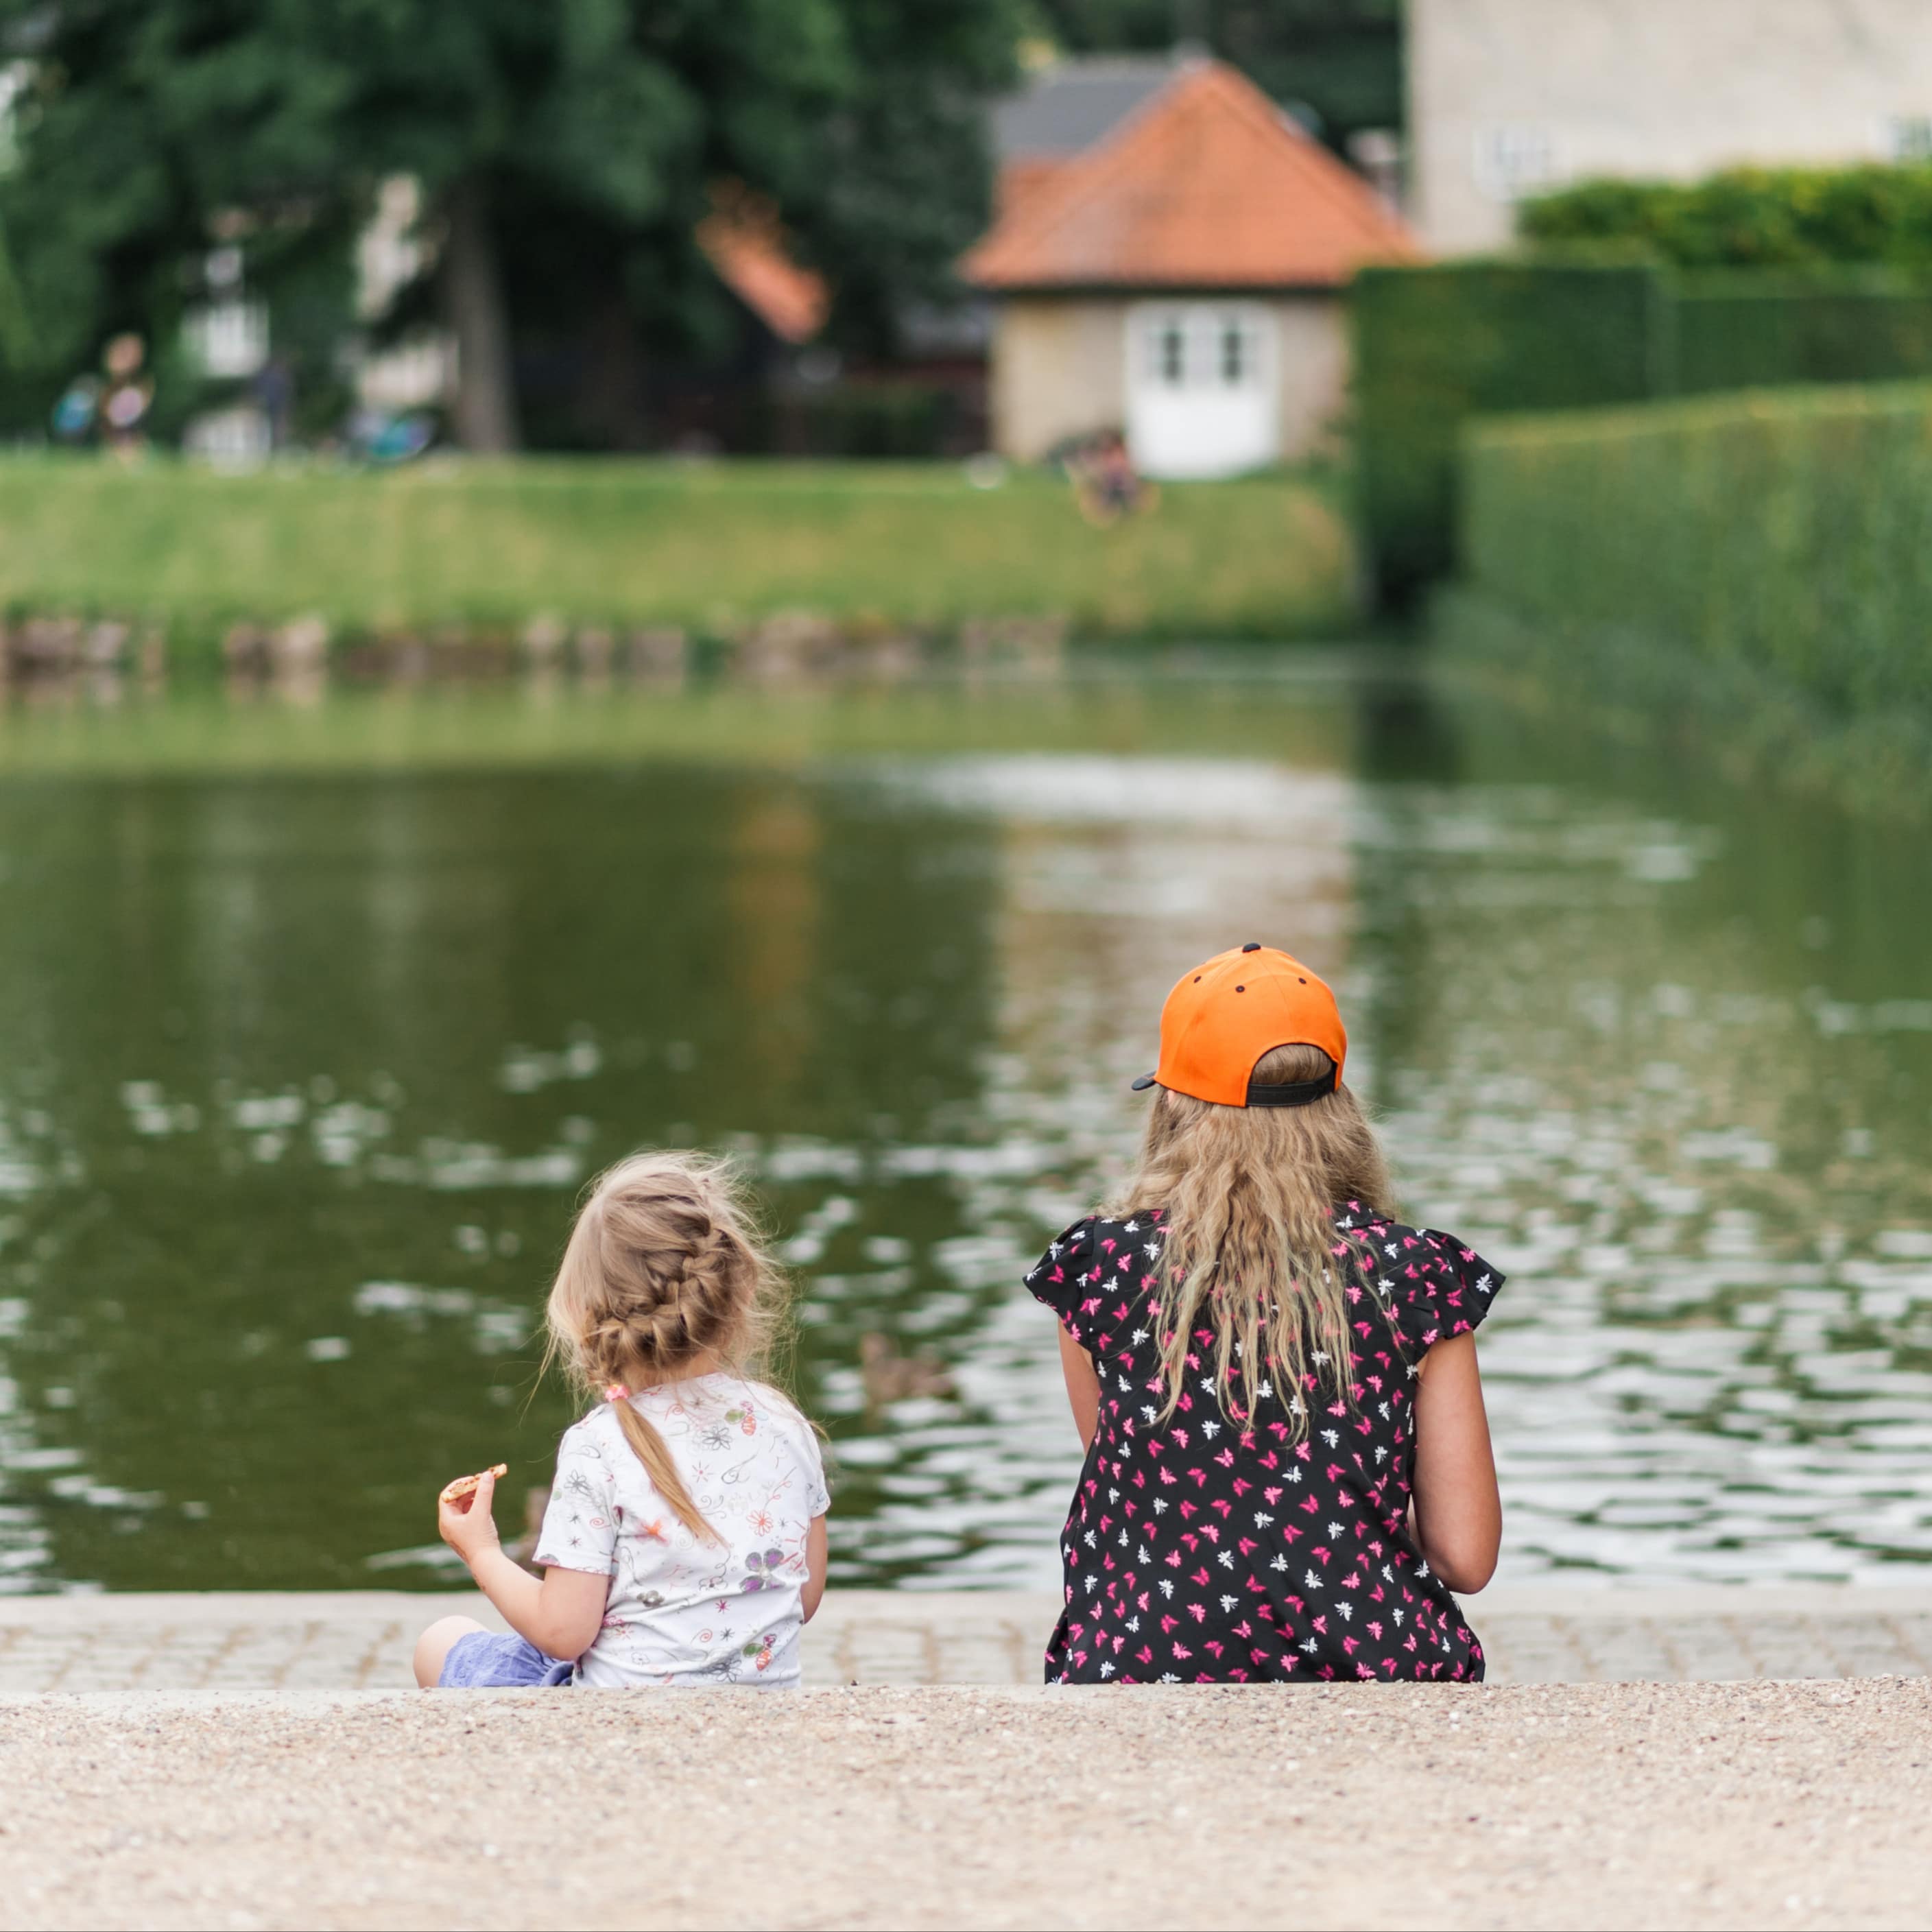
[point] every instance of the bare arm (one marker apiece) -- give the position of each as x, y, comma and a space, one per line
561, 1615
815, 1560
1083, 1388
1459, 1514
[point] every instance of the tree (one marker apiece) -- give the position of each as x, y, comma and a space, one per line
566, 150
1342, 57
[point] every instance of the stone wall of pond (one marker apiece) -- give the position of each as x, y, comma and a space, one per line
53, 653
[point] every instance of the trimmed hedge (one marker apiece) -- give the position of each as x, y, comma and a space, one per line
1436, 345
1745, 330
1786, 534
1433, 346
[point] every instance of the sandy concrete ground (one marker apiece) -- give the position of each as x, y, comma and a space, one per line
1637, 1805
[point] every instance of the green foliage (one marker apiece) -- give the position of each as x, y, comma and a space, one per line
1433, 346
1750, 217
1342, 57
1784, 535
589, 132
1743, 329
906, 421
616, 542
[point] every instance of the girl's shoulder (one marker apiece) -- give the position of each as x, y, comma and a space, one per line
1105, 1251
590, 1438
1434, 1284
766, 1408
780, 1407
1102, 1232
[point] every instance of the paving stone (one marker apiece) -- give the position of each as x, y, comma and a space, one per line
362, 1640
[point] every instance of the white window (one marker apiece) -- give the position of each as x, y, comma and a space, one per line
1908, 138
15, 79
229, 338
239, 438
1167, 345
1202, 347
1515, 159
1237, 356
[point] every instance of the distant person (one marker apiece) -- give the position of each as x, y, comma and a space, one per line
684, 1543
1106, 484
77, 411
130, 393
1287, 1463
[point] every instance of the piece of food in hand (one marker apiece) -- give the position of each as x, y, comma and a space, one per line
466, 1486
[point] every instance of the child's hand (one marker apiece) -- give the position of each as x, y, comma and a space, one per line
466, 1525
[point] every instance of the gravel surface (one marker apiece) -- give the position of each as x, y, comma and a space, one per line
1635, 1804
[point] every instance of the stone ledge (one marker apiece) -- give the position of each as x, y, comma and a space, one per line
245, 1643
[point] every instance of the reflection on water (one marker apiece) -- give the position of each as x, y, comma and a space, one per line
298, 1076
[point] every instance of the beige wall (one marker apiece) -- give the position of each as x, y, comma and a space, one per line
1313, 346
1669, 88
1059, 369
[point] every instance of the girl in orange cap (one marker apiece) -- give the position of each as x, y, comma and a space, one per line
1287, 1465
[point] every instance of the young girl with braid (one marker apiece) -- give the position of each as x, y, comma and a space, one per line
685, 1540
1288, 1474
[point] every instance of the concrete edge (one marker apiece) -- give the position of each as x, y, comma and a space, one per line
1578, 1603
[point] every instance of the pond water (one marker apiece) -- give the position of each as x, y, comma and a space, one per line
312, 1024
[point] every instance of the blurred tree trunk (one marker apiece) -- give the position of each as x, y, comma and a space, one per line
478, 318
611, 401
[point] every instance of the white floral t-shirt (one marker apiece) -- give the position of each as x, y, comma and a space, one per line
681, 1610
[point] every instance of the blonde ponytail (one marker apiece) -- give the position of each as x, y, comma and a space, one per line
642, 1435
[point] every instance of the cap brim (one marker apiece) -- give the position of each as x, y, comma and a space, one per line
1146, 1080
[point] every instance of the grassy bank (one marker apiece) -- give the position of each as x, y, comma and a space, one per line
706, 546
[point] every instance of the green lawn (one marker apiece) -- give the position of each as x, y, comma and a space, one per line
704, 545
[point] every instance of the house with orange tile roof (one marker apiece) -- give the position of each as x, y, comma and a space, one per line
1177, 275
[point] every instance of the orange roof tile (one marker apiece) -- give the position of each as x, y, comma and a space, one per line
743, 242
1209, 185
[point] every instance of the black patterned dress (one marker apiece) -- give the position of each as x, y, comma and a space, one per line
1202, 1551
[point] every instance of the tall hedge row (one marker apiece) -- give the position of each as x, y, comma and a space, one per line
1734, 330
1434, 346
1788, 533
1437, 345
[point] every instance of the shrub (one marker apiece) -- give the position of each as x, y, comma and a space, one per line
1435, 345
1750, 217
1788, 533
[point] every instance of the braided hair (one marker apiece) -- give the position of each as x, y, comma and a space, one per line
665, 1275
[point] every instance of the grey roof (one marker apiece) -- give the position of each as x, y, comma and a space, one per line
1071, 104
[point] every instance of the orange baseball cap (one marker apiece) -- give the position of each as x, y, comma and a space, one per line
1226, 1015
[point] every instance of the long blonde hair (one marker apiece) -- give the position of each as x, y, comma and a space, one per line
1251, 1248
666, 1267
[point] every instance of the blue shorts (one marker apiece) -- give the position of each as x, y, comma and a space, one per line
481, 1661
